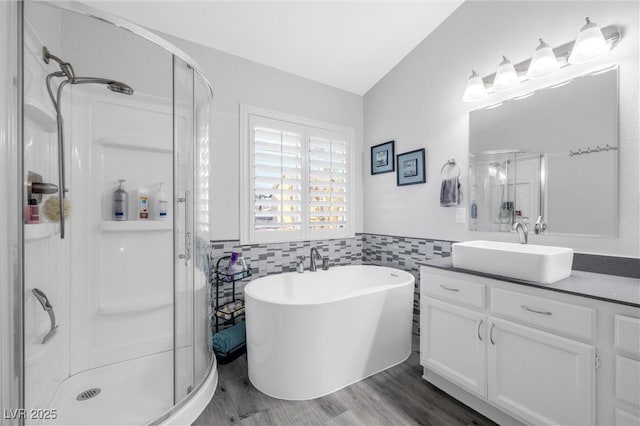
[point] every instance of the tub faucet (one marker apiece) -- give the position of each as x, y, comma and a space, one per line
315, 255
521, 229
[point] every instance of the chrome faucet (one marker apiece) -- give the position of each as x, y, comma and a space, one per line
523, 232
300, 265
540, 226
315, 255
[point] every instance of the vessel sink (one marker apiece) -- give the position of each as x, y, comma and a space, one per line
540, 264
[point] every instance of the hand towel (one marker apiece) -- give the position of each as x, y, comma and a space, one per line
450, 192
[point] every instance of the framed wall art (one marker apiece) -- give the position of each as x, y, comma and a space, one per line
382, 158
411, 168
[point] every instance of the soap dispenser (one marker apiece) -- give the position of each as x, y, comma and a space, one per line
120, 202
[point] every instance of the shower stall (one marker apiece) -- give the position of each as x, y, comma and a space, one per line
103, 320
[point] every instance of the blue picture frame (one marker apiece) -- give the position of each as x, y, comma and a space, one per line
411, 168
382, 158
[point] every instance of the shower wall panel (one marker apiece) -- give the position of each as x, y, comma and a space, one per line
122, 284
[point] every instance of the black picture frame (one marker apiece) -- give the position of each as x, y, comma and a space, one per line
382, 158
411, 168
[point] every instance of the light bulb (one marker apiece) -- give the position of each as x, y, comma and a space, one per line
506, 76
543, 61
475, 89
590, 44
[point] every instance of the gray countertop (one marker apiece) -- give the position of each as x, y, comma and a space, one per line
609, 288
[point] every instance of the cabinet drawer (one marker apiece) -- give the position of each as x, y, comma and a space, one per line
454, 289
627, 334
628, 380
557, 316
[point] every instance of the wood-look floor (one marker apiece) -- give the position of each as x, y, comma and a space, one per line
397, 396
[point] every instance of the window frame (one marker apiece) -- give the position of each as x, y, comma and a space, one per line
248, 234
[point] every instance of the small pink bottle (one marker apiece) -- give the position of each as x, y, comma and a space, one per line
32, 212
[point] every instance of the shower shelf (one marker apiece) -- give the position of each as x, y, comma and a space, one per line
139, 143
38, 231
135, 225
42, 115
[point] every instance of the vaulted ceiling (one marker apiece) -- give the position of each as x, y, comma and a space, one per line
348, 44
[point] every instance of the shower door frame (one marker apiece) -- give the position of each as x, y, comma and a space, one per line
12, 355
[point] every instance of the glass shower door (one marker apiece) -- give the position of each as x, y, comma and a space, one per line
183, 229
192, 115
203, 99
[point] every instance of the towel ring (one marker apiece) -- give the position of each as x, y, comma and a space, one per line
451, 163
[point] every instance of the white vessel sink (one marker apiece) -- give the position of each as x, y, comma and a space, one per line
541, 264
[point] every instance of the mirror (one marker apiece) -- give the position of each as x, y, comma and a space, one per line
552, 155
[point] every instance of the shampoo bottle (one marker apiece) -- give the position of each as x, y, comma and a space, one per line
120, 202
143, 204
160, 204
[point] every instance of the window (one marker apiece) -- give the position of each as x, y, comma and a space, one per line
296, 178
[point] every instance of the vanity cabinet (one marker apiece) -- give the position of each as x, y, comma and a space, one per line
540, 377
627, 370
452, 345
531, 357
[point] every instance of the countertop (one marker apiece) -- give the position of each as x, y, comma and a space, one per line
609, 288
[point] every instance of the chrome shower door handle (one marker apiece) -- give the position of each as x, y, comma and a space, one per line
46, 305
188, 224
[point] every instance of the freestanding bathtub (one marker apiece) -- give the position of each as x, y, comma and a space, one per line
311, 334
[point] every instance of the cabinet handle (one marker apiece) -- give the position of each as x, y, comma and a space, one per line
479, 325
525, 308
449, 288
491, 334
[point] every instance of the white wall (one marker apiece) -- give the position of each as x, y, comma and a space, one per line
418, 104
238, 81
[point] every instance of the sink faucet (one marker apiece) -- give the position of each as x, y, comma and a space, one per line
315, 255
523, 232
540, 226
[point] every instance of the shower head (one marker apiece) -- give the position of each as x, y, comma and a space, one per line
118, 87
113, 85
66, 70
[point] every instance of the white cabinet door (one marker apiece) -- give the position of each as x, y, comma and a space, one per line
540, 377
452, 344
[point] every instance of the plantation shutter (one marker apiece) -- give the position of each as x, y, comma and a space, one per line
328, 179
295, 179
277, 179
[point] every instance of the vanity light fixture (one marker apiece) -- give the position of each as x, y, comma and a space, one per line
506, 76
543, 61
590, 44
475, 89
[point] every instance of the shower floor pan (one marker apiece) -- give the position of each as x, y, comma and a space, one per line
131, 392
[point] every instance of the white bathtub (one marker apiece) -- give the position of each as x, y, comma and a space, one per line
311, 334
